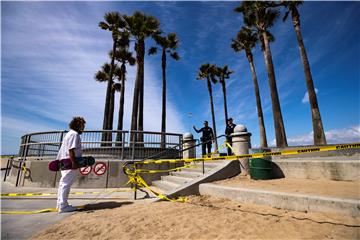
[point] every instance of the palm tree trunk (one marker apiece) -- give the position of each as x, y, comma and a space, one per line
141, 90
163, 110
225, 102
111, 115
263, 140
212, 113
137, 87
141, 93
319, 135
107, 111
138, 82
278, 120
121, 107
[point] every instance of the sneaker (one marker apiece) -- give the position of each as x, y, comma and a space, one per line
68, 208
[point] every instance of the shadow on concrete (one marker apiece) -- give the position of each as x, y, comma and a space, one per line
276, 171
104, 205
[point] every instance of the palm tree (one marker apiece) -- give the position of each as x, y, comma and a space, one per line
103, 75
260, 16
245, 41
123, 56
224, 73
140, 26
208, 71
112, 23
168, 44
319, 135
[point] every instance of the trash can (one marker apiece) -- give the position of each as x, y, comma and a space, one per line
260, 169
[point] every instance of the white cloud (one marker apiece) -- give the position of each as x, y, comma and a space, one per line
345, 135
306, 96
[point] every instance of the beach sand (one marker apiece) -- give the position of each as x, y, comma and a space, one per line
202, 217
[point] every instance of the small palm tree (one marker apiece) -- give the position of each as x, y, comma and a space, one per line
140, 26
319, 135
245, 40
208, 71
168, 45
260, 16
224, 73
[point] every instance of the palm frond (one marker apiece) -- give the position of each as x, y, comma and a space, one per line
152, 51
175, 56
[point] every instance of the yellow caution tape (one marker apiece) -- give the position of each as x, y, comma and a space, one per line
31, 212
37, 211
163, 170
136, 179
257, 155
49, 194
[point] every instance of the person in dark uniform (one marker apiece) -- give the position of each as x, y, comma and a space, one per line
228, 131
207, 136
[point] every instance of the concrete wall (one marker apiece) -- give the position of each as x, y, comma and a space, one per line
331, 169
38, 175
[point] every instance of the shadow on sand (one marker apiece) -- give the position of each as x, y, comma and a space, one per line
103, 205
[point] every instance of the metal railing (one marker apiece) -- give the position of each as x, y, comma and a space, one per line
118, 145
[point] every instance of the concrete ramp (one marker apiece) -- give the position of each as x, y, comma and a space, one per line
187, 181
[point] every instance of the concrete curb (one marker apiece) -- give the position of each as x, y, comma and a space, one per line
290, 201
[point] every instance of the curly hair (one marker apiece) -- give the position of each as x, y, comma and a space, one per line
76, 123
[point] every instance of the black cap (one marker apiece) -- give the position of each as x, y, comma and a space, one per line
230, 119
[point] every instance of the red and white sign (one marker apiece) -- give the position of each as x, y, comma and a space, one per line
85, 170
100, 168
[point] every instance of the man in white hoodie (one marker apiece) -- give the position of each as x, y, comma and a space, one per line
70, 148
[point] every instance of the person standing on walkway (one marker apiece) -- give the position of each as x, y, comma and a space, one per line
228, 131
70, 148
207, 137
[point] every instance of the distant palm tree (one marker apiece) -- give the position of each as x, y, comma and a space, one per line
168, 44
208, 71
140, 26
224, 73
245, 41
260, 16
123, 56
112, 23
319, 135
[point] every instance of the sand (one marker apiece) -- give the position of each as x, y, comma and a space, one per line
202, 217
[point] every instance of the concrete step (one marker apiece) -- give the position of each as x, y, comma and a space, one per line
284, 200
187, 174
165, 185
198, 167
176, 179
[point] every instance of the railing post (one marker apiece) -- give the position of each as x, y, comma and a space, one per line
123, 139
188, 146
23, 158
132, 144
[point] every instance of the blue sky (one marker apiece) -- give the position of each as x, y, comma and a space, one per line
51, 50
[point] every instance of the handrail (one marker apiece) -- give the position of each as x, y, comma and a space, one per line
47, 143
